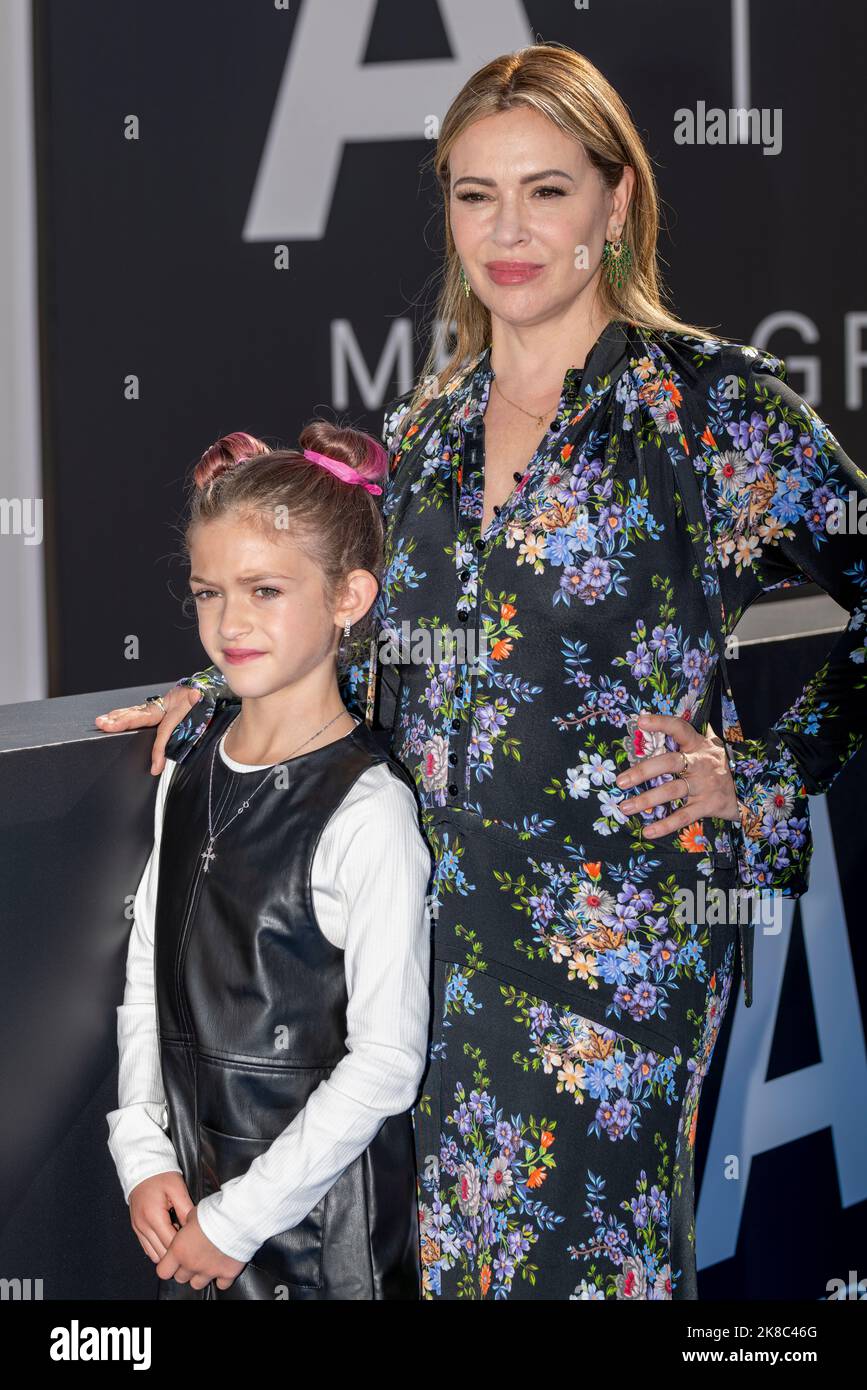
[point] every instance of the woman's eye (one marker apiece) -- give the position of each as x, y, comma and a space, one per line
202, 593
546, 188
264, 589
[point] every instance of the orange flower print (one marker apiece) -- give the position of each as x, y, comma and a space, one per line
692, 839
430, 1252
693, 1127
501, 648
485, 1278
536, 1177
507, 611
547, 1139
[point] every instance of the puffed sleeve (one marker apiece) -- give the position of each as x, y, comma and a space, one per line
789, 501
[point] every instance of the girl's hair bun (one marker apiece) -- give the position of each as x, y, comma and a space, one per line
226, 454
361, 451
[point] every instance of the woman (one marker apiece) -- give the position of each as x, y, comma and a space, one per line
545, 493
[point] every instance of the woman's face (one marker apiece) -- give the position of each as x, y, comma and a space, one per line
262, 597
502, 211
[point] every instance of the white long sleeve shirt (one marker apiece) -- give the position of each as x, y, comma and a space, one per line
369, 878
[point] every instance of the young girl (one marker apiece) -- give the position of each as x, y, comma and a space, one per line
274, 1026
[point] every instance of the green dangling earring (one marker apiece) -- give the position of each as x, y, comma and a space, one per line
465, 282
617, 259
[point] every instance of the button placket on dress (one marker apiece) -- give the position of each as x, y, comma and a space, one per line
467, 612
481, 544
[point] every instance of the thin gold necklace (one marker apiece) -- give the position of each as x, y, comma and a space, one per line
538, 418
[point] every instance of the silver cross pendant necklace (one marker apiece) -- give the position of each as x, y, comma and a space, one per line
209, 856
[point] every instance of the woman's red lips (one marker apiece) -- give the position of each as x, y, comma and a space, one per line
512, 272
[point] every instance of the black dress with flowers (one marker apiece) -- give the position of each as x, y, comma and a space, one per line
578, 989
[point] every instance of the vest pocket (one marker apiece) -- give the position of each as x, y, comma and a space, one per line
290, 1257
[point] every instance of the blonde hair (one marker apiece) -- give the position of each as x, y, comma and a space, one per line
565, 86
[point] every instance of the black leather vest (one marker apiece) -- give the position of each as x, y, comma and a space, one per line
251, 1008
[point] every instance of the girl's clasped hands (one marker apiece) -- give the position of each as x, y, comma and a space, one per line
185, 1254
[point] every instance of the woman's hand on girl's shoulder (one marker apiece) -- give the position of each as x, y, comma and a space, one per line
178, 702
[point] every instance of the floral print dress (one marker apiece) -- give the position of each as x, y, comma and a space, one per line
576, 1001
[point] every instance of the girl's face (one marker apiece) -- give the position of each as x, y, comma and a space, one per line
263, 617
501, 210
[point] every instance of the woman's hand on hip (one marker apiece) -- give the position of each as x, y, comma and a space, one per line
178, 702
711, 787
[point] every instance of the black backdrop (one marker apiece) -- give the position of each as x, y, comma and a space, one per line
157, 262
146, 270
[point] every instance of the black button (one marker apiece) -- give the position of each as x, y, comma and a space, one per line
456, 723
480, 544
496, 511
517, 477
463, 575
463, 615
553, 425
453, 757
453, 788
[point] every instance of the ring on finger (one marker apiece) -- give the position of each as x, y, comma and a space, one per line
685, 799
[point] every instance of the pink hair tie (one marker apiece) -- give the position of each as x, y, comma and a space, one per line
342, 470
